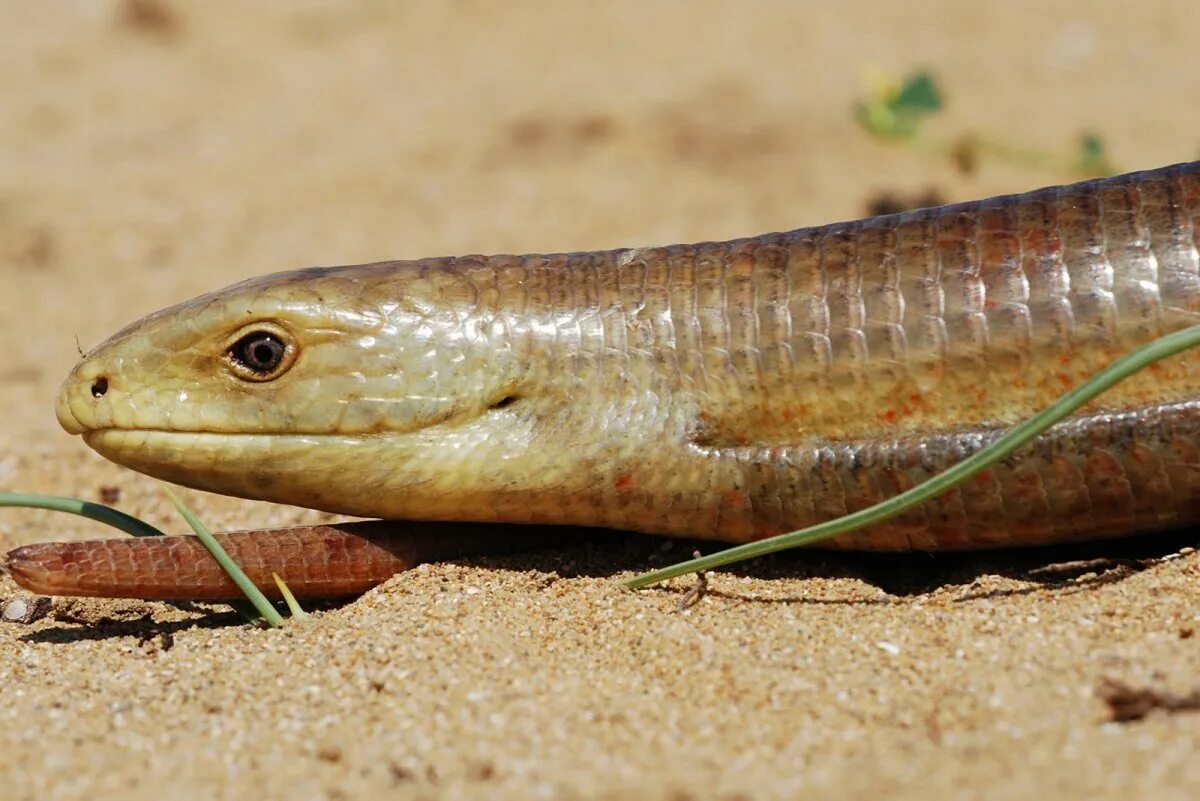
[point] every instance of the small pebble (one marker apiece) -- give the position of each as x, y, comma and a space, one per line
329, 753
157, 643
25, 609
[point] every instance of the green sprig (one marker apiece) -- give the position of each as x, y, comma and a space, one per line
896, 112
93, 511
292, 604
243, 582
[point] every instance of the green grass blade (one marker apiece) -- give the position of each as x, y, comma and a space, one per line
92, 511
103, 514
292, 604
1019, 435
243, 582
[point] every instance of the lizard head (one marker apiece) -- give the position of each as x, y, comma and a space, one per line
346, 389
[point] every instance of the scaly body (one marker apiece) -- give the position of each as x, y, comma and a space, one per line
723, 390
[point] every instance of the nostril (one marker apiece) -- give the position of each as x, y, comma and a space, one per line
99, 387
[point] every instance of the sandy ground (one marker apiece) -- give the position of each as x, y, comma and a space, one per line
151, 151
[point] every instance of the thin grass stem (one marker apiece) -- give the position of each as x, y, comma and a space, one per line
1019, 435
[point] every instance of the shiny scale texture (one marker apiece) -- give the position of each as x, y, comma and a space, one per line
728, 390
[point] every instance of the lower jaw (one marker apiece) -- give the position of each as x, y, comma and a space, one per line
369, 476
314, 471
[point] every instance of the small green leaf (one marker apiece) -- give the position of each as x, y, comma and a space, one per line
1092, 159
893, 112
919, 94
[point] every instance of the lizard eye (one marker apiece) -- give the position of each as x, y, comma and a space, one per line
261, 354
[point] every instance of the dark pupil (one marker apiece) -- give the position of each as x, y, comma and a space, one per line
262, 353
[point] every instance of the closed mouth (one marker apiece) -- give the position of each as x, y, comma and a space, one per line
106, 434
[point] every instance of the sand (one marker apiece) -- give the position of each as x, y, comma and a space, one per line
151, 151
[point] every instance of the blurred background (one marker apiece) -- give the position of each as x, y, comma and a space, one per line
151, 150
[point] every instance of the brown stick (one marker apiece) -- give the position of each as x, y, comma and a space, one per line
316, 561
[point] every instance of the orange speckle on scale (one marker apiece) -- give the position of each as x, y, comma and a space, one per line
734, 498
795, 411
625, 482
